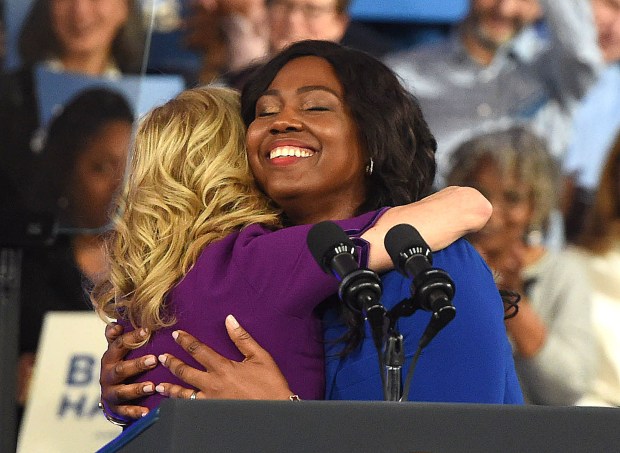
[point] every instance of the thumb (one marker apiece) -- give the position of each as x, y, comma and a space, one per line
243, 340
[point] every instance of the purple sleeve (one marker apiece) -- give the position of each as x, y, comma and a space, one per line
278, 265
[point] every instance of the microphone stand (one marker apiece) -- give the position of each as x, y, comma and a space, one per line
394, 356
393, 361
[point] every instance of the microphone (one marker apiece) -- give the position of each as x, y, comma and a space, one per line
432, 289
360, 289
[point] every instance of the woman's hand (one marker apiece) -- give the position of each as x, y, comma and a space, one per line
257, 377
114, 371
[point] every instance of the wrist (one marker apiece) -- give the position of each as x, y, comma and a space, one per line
110, 416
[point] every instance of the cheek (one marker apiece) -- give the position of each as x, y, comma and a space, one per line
115, 14
253, 140
520, 217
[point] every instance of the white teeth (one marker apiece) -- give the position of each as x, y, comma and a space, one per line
290, 151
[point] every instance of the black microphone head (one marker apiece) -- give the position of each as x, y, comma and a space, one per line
325, 240
404, 241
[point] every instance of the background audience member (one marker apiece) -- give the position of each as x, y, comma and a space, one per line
600, 243
289, 21
479, 78
102, 38
597, 122
226, 35
84, 158
551, 334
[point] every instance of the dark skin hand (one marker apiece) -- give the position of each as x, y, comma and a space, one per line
256, 377
115, 370
224, 378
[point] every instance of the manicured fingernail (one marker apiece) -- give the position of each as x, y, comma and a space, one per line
175, 334
159, 389
143, 333
144, 413
162, 359
147, 388
232, 321
150, 361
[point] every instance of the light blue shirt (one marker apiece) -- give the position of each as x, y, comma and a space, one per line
597, 122
539, 86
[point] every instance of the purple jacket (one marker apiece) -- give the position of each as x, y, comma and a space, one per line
270, 282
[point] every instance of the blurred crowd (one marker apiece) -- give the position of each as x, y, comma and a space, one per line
523, 97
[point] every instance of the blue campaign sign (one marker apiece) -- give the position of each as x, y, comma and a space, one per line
54, 89
409, 10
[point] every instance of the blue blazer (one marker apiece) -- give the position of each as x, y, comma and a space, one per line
469, 361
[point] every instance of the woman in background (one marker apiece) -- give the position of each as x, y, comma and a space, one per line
84, 161
600, 244
551, 334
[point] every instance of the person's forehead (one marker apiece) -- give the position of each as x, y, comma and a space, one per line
321, 3
495, 3
308, 70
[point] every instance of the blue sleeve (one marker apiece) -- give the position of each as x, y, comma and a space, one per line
470, 360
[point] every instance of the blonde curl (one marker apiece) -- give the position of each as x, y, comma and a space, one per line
189, 184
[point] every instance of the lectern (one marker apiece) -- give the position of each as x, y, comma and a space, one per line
368, 427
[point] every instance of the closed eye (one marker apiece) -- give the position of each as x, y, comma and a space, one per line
317, 109
266, 113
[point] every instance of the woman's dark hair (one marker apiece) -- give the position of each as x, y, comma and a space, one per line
390, 124
68, 135
38, 42
602, 227
389, 120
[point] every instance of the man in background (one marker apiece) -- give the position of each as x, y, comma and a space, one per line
496, 70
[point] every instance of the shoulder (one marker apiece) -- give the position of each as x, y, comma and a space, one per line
567, 263
459, 253
17, 90
19, 79
418, 58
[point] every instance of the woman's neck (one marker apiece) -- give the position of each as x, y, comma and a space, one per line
315, 212
94, 64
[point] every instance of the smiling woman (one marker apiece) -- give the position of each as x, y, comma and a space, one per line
307, 114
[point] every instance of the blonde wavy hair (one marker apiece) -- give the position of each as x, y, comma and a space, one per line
189, 184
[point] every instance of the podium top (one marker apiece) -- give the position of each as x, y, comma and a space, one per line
342, 426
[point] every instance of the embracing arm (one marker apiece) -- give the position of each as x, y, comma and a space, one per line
441, 219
